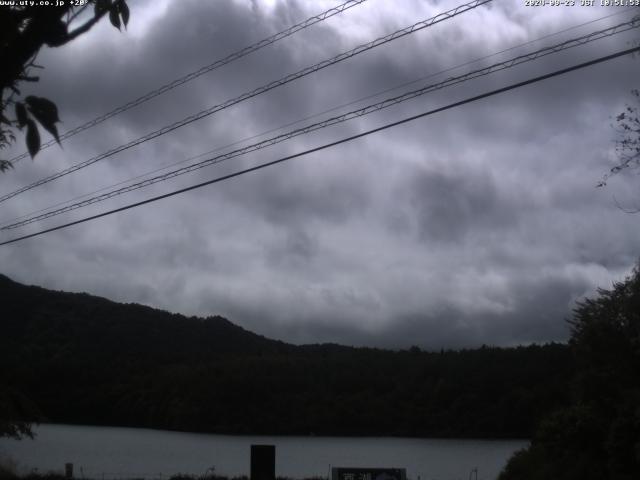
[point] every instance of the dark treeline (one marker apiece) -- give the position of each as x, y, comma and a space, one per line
83, 359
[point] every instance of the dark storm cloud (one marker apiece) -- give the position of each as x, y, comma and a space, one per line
477, 225
521, 320
277, 199
124, 67
447, 206
448, 325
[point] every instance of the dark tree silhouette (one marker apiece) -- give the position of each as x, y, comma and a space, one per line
598, 437
24, 30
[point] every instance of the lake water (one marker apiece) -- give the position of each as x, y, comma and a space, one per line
109, 452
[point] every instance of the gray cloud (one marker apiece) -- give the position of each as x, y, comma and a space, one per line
447, 206
477, 225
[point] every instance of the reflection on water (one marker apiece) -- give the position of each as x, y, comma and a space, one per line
109, 452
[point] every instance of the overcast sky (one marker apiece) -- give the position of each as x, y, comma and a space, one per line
478, 225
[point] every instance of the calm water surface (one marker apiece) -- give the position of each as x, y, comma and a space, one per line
109, 452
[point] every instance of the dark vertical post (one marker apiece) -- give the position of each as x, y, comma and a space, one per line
68, 470
263, 462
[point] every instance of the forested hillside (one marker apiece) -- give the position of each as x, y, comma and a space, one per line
84, 359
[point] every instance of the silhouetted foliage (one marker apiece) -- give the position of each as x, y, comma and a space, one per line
24, 29
598, 436
87, 360
628, 142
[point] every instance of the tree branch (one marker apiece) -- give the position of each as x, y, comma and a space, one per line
77, 12
85, 28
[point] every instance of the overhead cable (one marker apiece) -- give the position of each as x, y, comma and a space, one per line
332, 144
528, 57
201, 71
265, 88
315, 115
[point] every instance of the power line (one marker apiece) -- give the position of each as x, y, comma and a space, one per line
315, 115
332, 144
623, 27
265, 88
201, 71
338, 107
339, 119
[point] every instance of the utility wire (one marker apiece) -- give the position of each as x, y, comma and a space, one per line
315, 115
332, 144
201, 71
623, 27
265, 88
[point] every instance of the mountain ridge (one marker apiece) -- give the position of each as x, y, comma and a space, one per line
87, 360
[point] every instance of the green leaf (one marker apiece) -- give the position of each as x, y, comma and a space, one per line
21, 114
43, 108
124, 12
114, 17
33, 138
46, 113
